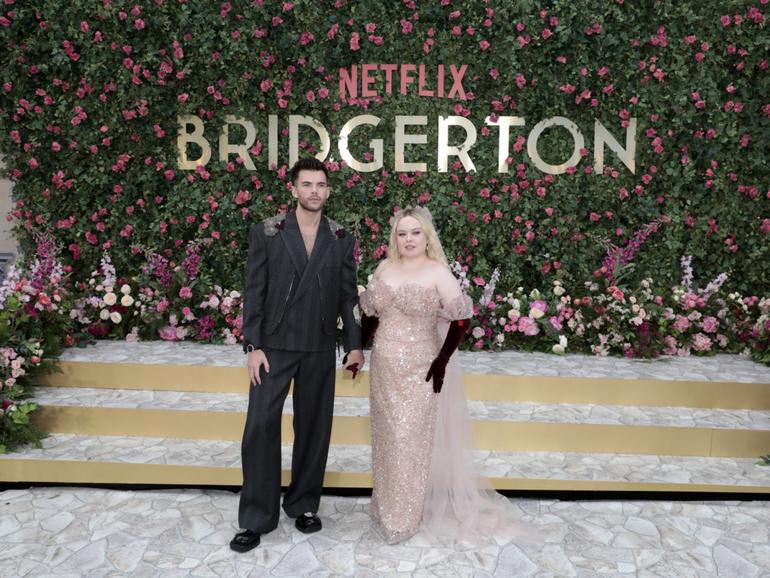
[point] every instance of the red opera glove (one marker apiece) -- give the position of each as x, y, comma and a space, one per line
454, 337
368, 329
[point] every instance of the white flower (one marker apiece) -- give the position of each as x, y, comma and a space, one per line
514, 314
478, 332
500, 338
115, 317
104, 314
126, 300
558, 290
536, 313
534, 294
126, 289
110, 298
73, 314
563, 340
516, 304
557, 349
100, 288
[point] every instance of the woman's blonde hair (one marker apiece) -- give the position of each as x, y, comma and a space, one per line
434, 249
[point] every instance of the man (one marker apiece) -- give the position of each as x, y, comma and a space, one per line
300, 277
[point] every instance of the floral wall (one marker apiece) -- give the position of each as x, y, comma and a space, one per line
91, 98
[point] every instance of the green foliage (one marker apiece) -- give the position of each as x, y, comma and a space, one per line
94, 92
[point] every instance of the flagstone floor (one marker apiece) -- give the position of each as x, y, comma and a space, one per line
98, 532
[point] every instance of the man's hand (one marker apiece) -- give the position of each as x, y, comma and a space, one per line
254, 361
355, 361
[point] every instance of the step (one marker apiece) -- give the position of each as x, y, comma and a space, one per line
480, 410
708, 368
118, 459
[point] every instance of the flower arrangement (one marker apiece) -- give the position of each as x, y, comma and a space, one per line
167, 301
34, 325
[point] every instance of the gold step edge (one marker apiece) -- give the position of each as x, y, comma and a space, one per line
491, 387
88, 472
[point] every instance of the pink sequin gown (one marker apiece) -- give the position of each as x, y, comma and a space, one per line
403, 405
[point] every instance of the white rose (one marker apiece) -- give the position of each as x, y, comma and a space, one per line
514, 313
562, 341
110, 298
115, 317
500, 338
516, 304
126, 300
104, 314
557, 349
126, 289
558, 290
535, 313
478, 332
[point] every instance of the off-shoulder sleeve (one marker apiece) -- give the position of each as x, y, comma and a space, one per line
461, 307
367, 302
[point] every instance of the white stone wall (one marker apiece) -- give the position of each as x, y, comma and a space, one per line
7, 241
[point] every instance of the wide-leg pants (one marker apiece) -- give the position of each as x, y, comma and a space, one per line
313, 399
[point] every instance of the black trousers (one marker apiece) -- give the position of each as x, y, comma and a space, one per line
313, 397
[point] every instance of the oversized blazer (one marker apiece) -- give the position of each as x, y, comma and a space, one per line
292, 302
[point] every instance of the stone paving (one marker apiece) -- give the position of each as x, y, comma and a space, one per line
95, 532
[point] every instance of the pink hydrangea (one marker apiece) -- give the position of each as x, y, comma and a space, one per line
528, 326
710, 324
701, 342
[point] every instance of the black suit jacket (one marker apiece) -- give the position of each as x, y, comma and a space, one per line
291, 302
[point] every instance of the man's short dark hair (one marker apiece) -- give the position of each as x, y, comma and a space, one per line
307, 164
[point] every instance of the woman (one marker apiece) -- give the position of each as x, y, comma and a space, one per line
421, 461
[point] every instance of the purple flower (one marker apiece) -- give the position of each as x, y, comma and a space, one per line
206, 325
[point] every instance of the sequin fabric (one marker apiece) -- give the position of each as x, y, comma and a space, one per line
402, 403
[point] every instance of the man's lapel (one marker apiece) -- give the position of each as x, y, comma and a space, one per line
294, 244
321, 249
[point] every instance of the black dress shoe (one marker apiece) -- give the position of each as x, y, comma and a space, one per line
308, 524
244, 541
